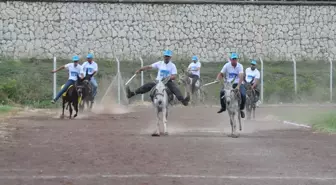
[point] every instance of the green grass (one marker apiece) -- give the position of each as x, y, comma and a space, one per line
29, 81
5, 109
325, 122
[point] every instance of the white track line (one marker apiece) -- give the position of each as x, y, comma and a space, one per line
296, 124
127, 176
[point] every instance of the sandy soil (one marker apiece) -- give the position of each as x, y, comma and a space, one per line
113, 146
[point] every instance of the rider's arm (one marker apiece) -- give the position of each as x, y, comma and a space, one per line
81, 72
221, 73
198, 67
241, 75
245, 75
144, 68
256, 80
60, 68
154, 65
174, 73
94, 71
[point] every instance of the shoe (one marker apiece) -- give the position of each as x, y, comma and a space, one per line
53, 101
242, 114
129, 92
221, 110
186, 100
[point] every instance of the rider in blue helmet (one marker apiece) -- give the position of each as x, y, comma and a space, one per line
230, 71
75, 71
166, 68
252, 73
91, 68
195, 71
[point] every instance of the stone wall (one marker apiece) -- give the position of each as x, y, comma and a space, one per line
42, 29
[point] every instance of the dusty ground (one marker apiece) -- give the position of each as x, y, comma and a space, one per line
40, 149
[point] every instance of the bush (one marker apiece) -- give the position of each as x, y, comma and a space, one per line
325, 122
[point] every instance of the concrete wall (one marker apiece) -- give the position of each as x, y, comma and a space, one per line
43, 29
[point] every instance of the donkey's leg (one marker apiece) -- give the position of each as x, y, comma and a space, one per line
239, 120
164, 117
70, 110
157, 132
231, 123
63, 106
75, 104
234, 125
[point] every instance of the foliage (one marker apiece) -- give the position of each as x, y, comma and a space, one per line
29, 81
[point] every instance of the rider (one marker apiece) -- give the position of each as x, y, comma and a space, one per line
92, 68
233, 70
194, 67
253, 73
75, 69
165, 68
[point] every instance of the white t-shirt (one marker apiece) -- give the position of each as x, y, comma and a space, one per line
164, 69
194, 66
74, 71
90, 67
250, 74
232, 72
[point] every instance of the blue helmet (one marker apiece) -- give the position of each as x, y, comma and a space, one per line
90, 56
254, 62
234, 56
167, 53
194, 58
75, 58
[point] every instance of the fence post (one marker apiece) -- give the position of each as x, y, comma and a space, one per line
262, 80
54, 80
118, 77
331, 79
294, 63
142, 78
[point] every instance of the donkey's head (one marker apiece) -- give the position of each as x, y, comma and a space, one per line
160, 94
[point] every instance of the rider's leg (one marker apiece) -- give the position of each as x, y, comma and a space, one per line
194, 80
222, 101
243, 100
65, 87
94, 86
141, 90
174, 89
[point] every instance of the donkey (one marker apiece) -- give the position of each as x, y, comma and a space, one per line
232, 100
250, 100
187, 84
87, 93
160, 98
72, 97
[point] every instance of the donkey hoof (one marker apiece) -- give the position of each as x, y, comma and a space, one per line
62, 116
75, 115
235, 135
155, 135
165, 133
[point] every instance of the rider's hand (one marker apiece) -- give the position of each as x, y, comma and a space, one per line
137, 71
53, 71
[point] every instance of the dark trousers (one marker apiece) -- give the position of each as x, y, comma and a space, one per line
171, 86
193, 82
242, 93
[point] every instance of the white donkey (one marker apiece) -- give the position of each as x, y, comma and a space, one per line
160, 101
232, 100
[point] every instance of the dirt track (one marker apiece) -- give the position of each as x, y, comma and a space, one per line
118, 149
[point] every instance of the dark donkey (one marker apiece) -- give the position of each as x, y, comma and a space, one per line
250, 99
87, 92
72, 97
